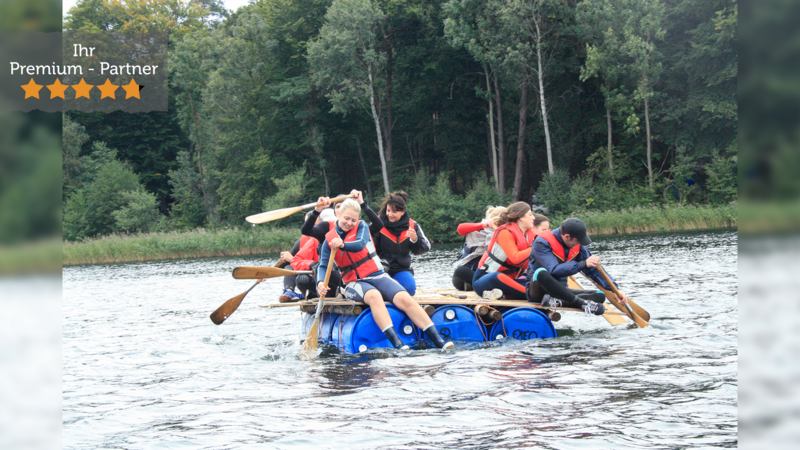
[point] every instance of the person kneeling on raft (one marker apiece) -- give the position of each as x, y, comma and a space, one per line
476, 239
558, 254
365, 279
501, 268
398, 238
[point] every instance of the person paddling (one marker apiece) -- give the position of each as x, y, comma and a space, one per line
365, 279
398, 238
557, 254
501, 268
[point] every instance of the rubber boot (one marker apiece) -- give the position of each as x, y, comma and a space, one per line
433, 335
391, 334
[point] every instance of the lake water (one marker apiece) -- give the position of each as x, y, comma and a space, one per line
144, 367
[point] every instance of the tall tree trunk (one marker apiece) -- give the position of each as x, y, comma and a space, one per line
200, 168
501, 144
610, 156
523, 123
388, 123
377, 121
492, 147
649, 147
549, 147
363, 167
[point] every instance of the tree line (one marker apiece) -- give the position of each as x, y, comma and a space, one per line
592, 105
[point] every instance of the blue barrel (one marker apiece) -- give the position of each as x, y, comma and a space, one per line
325, 325
523, 324
457, 323
354, 334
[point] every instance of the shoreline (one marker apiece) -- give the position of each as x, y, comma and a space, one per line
251, 241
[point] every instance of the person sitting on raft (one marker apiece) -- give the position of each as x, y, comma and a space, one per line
398, 238
501, 268
308, 259
476, 238
555, 256
290, 281
365, 279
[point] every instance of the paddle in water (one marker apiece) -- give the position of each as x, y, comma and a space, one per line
309, 350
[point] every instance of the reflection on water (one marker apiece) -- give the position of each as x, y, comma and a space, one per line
144, 367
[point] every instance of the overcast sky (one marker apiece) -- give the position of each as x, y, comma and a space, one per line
230, 4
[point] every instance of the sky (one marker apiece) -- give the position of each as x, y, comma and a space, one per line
229, 4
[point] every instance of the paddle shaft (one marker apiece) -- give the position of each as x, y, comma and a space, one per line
286, 212
639, 321
310, 344
257, 273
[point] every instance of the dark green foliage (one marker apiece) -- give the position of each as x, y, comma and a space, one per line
554, 193
439, 210
251, 128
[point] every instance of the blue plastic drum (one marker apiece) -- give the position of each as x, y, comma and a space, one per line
325, 326
355, 334
457, 323
523, 324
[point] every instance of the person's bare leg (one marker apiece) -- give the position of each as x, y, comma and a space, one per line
380, 314
404, 302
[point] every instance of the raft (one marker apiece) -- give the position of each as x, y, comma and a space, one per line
459, 316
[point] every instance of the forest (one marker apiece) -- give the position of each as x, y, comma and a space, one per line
594, 106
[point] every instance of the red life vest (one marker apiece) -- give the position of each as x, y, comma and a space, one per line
403, 236
495, 260
558, 249
355, 265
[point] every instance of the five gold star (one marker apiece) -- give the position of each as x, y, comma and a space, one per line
107, 89
82, 89
132, 89
31, 89
57, 89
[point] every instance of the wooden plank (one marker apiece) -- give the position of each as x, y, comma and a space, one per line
445, 301
610, 315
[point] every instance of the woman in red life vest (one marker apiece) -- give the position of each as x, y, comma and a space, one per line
398, 238
476, 238
501, 270
365, 279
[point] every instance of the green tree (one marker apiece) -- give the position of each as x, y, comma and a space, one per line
346, 60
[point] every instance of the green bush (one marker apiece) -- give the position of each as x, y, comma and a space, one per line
555, 192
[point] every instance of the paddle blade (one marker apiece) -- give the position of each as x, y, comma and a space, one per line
256, 273
309, 350
227, 308
269, 216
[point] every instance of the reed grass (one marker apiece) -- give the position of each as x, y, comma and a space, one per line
658, 219
199, 243
202, 243
31, 257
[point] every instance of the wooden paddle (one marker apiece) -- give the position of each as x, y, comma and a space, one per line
639, 321
226, 309
256, 273
269, 216
310, 345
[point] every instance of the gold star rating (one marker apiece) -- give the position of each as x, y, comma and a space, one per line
82, 89
132, 89
31, 89
107, 89
57, 89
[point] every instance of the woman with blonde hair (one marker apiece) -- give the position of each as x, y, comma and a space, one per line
364, 278
476, 239
501, 270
